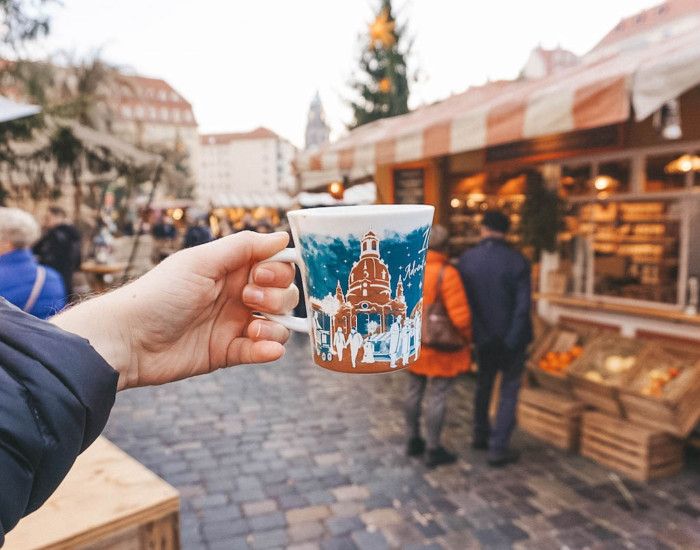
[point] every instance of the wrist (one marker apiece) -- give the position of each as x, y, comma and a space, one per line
101, 321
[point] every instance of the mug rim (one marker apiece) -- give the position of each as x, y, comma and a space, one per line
362, 210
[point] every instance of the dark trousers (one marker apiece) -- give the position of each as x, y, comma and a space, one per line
494, 358
435, 406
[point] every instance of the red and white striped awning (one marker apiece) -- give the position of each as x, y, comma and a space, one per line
592, 94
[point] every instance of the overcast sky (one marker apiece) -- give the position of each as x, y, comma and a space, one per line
244, 64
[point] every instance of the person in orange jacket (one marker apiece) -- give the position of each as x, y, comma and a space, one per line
435, 369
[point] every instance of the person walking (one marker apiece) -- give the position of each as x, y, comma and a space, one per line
435, 370
59, 248
497, 281
33, 288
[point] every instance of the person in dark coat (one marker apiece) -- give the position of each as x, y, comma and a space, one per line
198, 233
23, 282
497, 281
59, 248
191, 315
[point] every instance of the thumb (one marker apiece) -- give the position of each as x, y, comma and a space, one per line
230, 253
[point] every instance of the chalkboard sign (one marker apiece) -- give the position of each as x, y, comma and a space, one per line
409, 186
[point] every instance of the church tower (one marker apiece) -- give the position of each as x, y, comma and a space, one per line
317, 130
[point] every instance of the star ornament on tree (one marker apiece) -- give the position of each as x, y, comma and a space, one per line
382, 30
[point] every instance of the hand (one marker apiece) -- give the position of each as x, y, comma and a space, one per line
192, 314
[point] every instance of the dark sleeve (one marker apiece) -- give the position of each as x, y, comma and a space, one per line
520, 331
56, 393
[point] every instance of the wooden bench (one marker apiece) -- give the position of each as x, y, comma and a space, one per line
107, 501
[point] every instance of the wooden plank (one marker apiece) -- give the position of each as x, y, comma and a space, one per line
550, 401
106, 492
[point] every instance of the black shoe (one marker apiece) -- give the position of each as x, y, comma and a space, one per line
438, 457
480, 445
415, 447
498, 461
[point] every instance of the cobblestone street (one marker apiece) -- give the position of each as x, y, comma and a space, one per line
291, 456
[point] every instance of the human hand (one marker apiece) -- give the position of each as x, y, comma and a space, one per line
192, 314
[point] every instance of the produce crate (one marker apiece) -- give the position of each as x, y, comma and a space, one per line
637, 452
550, 417
558, 341
593, 379
672, 406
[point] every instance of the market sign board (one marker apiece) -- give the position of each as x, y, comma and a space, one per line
409, 186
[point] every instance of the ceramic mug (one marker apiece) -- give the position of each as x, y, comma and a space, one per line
362, 269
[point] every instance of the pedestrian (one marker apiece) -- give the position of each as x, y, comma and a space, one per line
198, 232
33, 288
497, 281
339, 343
395, 341
190, 315
164, 239
434, 372
59, 248
355, 343
406, 333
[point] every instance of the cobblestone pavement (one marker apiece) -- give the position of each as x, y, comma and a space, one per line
291, 456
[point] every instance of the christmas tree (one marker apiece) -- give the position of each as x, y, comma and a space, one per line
382, 85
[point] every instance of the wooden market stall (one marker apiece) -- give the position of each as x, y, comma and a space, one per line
617, 137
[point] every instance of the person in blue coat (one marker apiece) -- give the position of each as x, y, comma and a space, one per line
36, 289
191, 315
497, 281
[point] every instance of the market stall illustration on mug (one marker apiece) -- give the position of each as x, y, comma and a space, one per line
366, 297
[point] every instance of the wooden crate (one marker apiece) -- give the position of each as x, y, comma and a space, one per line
677, 409
550, 417
603, 396
558, 339
635, 451
107, 501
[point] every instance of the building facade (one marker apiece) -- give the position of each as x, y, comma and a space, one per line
244, 163
151, 114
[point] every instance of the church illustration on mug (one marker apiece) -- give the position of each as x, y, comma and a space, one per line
371, 321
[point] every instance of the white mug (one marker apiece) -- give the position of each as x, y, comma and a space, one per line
362, 268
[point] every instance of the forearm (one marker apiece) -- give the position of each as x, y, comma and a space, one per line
103, 322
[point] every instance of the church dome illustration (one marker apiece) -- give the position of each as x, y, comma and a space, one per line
369, 279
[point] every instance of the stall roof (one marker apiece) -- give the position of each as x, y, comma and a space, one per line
276, 199
595, 93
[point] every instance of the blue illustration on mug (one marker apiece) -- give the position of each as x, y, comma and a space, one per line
366, 298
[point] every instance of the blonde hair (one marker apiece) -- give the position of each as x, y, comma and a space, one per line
18, 227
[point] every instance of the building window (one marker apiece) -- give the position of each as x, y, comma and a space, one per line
176, 115
658, 175
152, 114
188, 116
163, 95
140, 112
126, 111
164, 113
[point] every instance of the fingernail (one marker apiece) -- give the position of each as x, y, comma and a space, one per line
264, 275
252, 295
263, 331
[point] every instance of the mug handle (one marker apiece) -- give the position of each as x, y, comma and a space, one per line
297, 324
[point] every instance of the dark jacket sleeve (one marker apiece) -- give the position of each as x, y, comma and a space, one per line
56, 393
519, 332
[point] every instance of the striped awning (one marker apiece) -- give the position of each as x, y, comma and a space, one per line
276, 200
595, 93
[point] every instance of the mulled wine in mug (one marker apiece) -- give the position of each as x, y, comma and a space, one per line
362, 269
